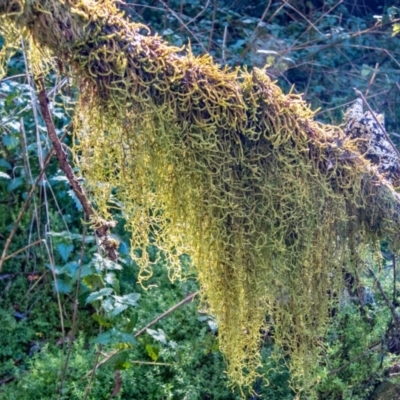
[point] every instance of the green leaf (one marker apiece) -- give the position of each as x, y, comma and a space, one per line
87, 270
4, 163
72, 268
127, 338
115, 336
93, 281
131, 323
65, 250
61, 286
119, 361
396, 29
102, 320
10, 141
108, 305
103, 338
152, 351
118, 308
78, 204
14, 184
99, 295
158, 335
131, 299
111, 280
56, 269
104, 264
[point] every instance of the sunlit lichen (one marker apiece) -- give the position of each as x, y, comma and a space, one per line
217, 164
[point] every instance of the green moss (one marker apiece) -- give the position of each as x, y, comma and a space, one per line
218, 164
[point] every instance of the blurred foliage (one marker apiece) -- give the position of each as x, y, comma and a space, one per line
323, 48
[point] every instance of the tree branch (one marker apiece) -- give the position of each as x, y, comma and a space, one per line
102, 227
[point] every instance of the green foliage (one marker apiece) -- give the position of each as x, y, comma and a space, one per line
354, 349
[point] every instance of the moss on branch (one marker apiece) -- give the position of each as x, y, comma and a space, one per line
221, 165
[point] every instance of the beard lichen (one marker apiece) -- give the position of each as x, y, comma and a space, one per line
217, 164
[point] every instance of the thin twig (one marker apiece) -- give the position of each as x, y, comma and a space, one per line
212, 25
224, 44
371, 81
24, 208
12, 77
374, 347
102, 227
152, 363
255, 31
394, 280
395, 314
317, 21
163, 315
92, 373
183, 24
21, 250
200, 13
302, 15
108, 356
56, 286
75, 312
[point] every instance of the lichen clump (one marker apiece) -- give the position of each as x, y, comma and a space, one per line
217, 164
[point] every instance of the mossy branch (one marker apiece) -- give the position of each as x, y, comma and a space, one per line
221, 165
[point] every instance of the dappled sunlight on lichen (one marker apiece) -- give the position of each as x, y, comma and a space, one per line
220, 165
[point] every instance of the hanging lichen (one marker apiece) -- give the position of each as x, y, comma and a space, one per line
220, 165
